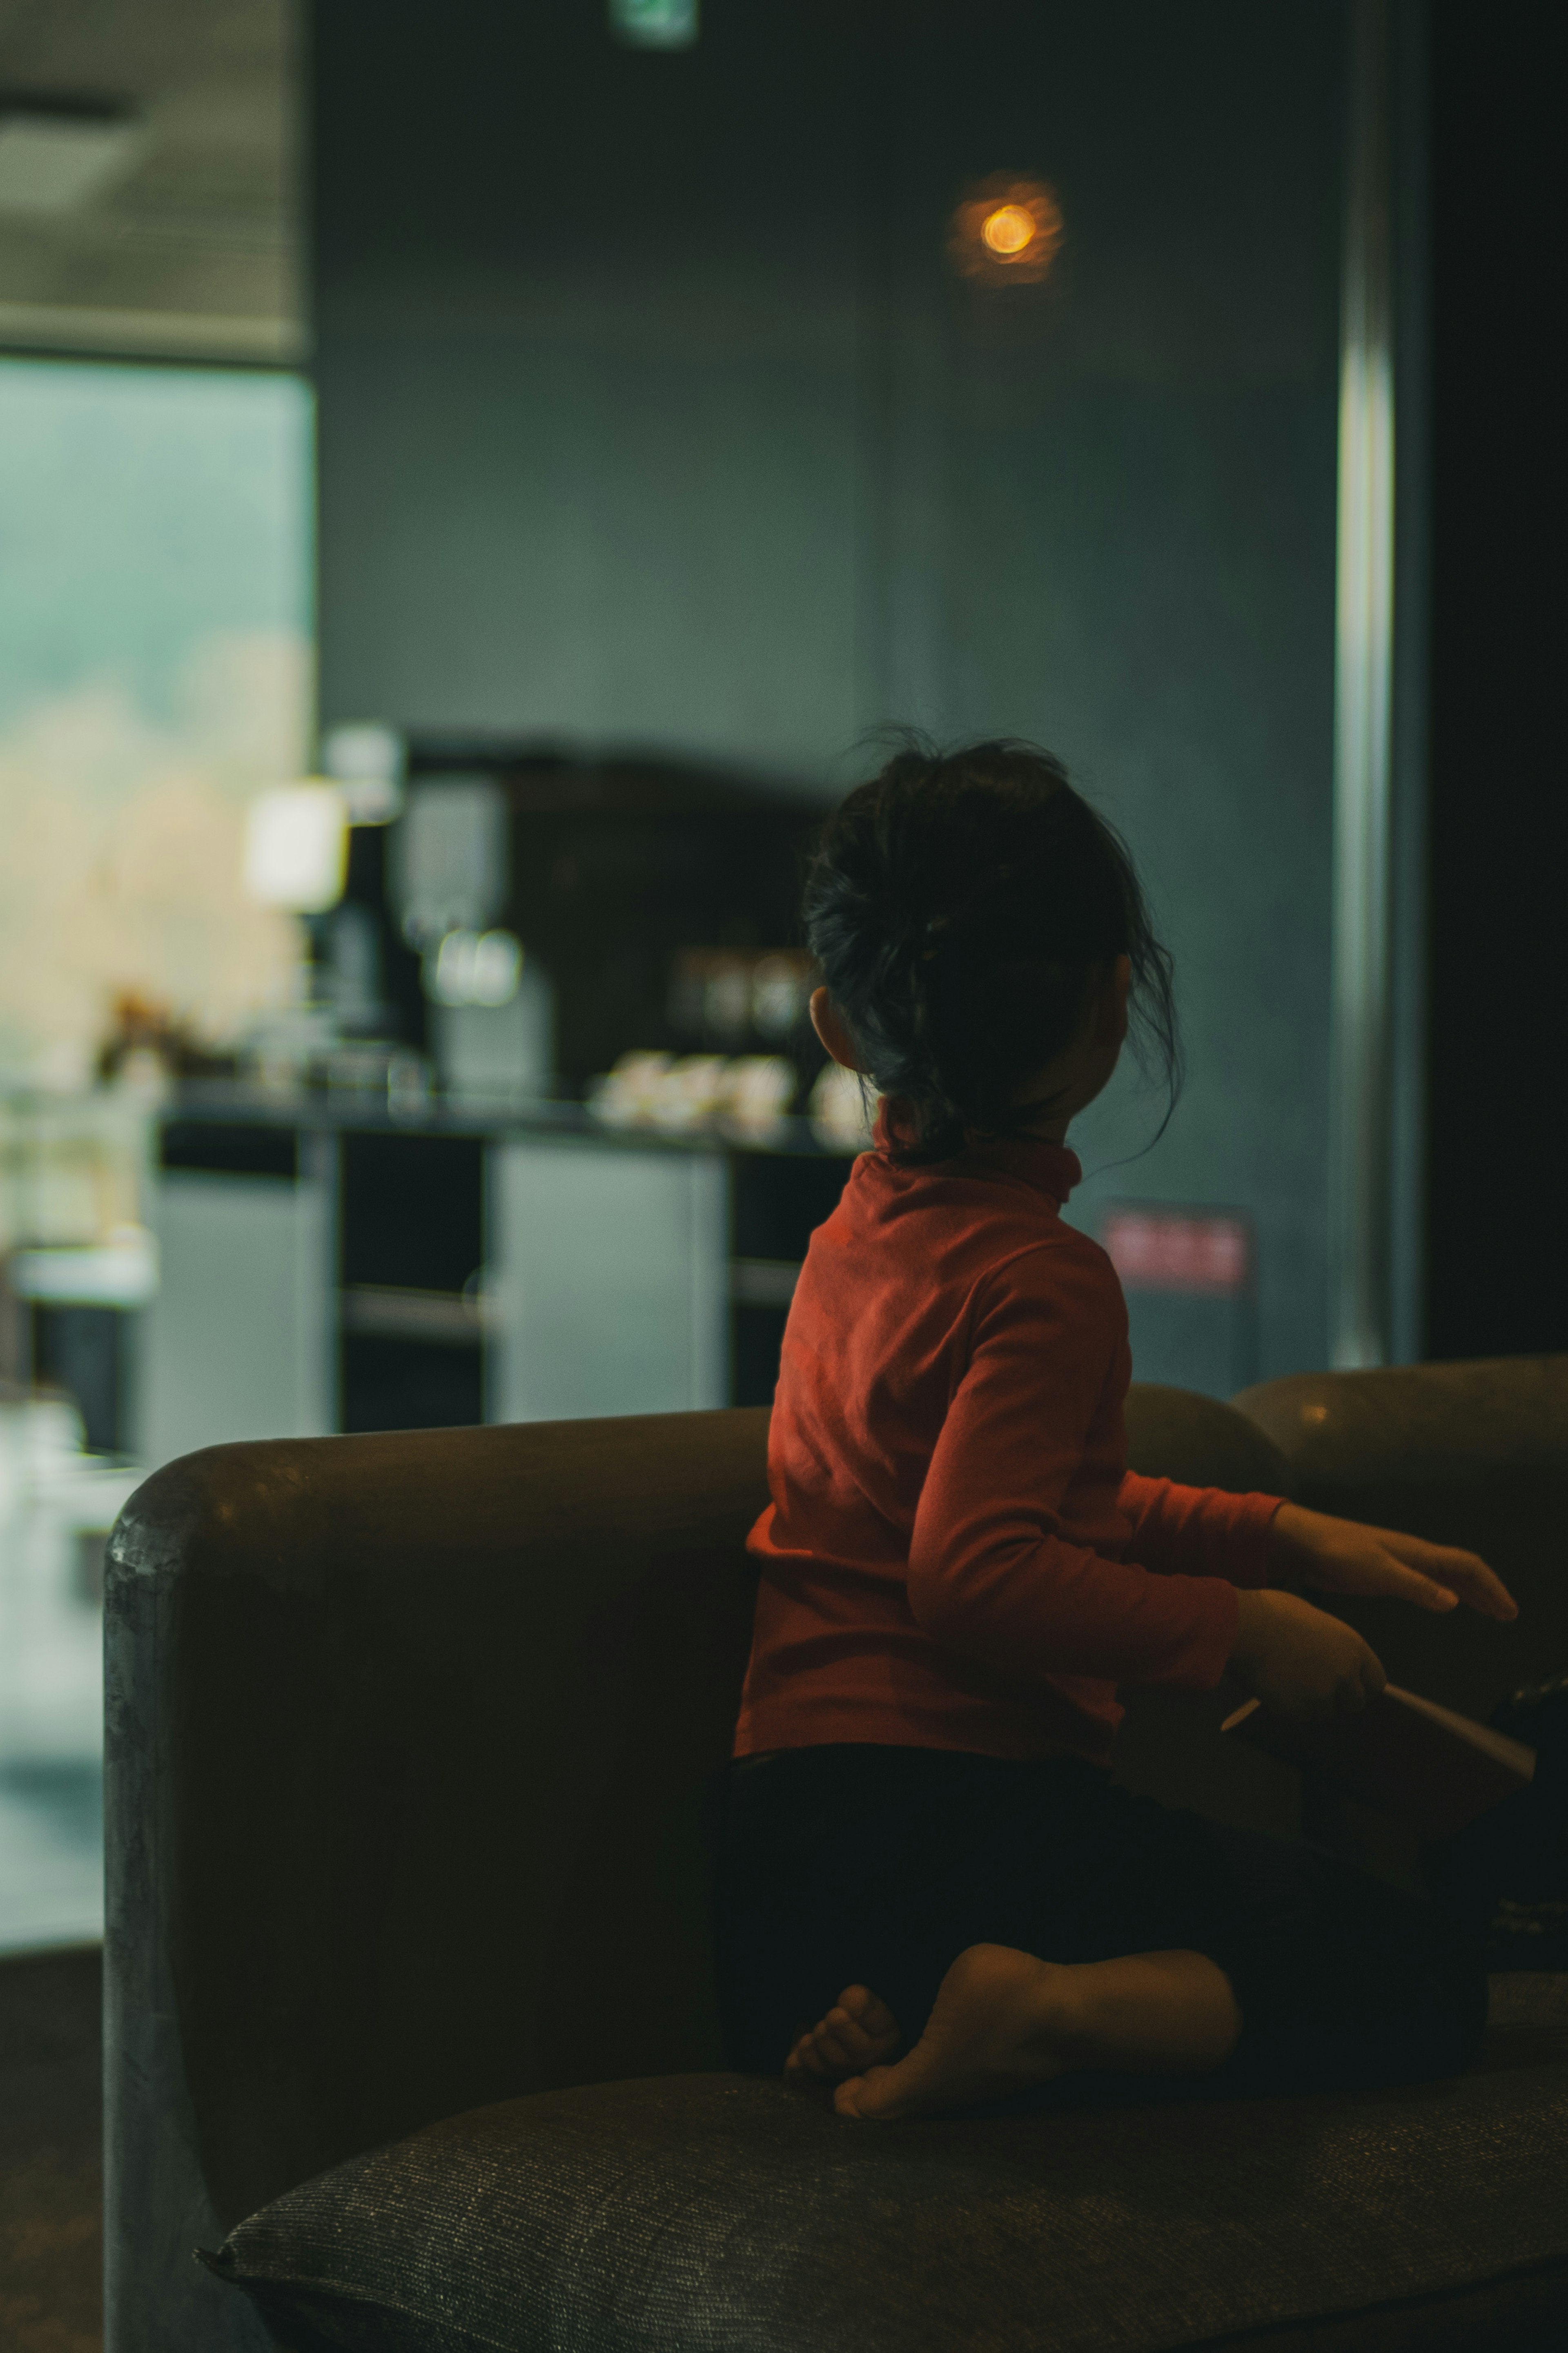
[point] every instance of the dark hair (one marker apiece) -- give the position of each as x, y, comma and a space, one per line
961, 906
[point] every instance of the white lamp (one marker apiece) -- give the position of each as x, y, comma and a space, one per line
296, 846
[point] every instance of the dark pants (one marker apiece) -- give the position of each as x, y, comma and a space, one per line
877, 1866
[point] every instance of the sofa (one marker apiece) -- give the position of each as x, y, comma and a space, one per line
415, 1746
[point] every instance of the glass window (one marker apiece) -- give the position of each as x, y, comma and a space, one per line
154, 673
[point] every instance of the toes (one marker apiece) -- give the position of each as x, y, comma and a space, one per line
858, 2032
803, 2056
910, 2086
847, 2098
843, 2024
869, 2011
840, 2042
875, 2097
829, 2048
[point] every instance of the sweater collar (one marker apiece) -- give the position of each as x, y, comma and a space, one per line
1049, 1168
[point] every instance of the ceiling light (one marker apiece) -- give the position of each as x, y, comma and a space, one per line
1006, 231
655, 24
57, 156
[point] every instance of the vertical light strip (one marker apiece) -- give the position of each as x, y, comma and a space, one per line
1360, 1014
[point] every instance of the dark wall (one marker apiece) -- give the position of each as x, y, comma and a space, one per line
586, 336
651, 411
1497, 1282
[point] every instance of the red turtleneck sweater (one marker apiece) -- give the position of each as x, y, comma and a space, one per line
956, 1555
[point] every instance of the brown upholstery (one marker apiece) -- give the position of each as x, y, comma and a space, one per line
729, 2210
410, 1741
408, 1744
1177, 1434
1473, 1454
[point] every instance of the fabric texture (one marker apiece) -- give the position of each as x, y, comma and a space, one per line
877, 1866
719, 2214
954, 1555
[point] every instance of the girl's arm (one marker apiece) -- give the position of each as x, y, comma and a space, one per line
992, 1572
1200, 1531
1257, 1541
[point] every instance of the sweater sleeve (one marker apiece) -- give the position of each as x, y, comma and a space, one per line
1198, 1531
991, 1572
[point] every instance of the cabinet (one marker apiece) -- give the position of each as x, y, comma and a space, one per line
238, 1340
607, 1289
356, 1276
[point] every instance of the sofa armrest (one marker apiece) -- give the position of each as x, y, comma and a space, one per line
408, 1744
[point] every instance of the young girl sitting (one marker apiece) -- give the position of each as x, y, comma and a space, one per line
924, 1851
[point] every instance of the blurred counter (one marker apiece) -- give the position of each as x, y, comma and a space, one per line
330, 1259
366, 1111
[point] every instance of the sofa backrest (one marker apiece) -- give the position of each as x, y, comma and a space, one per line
1473, 1454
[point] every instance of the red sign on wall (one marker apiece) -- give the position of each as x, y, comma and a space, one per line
1180, 1250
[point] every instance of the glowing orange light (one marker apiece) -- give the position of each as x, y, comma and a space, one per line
1008, 229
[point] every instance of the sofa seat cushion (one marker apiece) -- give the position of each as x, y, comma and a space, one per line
730, 2214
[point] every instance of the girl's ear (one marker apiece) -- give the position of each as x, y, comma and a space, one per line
830, 1027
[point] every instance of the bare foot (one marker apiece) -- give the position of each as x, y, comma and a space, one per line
858, 2032
1002, 2021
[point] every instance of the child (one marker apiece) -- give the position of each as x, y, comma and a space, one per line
924, 1852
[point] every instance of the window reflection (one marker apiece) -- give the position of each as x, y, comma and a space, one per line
155, 676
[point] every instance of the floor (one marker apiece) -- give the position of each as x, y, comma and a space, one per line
51, 1850
57, 1506
51, 2173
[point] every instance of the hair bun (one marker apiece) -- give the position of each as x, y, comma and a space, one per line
988, 850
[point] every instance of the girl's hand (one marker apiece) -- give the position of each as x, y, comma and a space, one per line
1300, 1661
1342, 1557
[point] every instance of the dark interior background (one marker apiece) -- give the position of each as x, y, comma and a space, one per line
653, 414
1496, 1271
